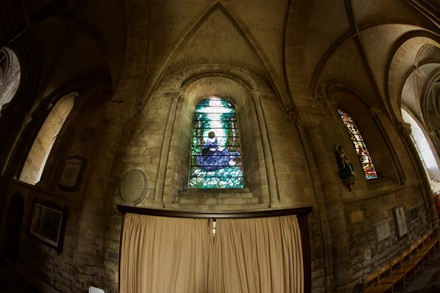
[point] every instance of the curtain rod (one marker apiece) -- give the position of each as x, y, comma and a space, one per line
301, 211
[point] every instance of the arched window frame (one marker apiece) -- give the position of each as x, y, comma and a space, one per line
10, 74
38, 154
215, 162
424, 147
359, 145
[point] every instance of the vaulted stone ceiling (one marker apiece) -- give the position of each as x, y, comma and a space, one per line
297, 46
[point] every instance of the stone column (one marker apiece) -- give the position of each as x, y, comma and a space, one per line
92, 223
434, 136
164, 154
380, 118
427, 197
330, 205
267, 150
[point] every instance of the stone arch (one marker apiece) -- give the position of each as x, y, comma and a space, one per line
425, 149
414, 87
181, 92
13, 116
430, 103
42, 145
9, 76
241, 87
370, 122
412, 57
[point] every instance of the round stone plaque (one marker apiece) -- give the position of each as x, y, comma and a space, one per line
133, 187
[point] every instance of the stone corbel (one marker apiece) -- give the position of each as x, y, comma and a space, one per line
404, 129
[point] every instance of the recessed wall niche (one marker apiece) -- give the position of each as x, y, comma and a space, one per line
71, 175
133, 187
238, 91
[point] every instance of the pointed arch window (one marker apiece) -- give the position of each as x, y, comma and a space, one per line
359, 144
423, 146
215, 151
9, 76
39, 153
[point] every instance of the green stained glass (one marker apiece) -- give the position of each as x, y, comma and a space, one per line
215, 152
359, 144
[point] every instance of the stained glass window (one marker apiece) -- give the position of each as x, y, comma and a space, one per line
215, 152
359, 144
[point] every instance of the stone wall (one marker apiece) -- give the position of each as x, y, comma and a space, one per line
370, 246
288, 164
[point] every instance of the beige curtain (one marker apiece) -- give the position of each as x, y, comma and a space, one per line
160, 254
257, 255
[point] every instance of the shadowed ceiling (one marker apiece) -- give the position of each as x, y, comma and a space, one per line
378, 48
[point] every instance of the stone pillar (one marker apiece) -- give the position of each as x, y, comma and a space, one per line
267, 150
92, 223
380, 118
164, 154
330, 205
427, 197
434, 137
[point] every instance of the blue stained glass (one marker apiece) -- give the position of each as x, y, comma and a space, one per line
215, 151
359, 144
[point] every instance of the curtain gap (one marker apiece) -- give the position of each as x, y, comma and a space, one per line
212, 223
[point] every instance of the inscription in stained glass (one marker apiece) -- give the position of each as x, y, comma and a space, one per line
215, 154
359, 144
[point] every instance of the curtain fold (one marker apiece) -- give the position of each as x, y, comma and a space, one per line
160, 254
257, 255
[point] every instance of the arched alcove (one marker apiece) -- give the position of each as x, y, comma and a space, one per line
370, 123
418, 103
13, 227
161, 137
241, 92
424, 147
38, 154
410, 68
9, 75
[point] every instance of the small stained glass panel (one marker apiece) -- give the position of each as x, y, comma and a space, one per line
215, 152
359, 144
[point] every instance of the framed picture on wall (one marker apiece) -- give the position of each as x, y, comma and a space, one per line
48, 222
413, 214
71, 174
383, 230
400, 221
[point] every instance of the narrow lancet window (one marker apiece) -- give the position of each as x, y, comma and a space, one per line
40, 150
359, 144
215, 152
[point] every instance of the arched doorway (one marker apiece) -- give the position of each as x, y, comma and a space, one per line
14, 218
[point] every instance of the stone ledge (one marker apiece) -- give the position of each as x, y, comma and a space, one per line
218, 207
220, 199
